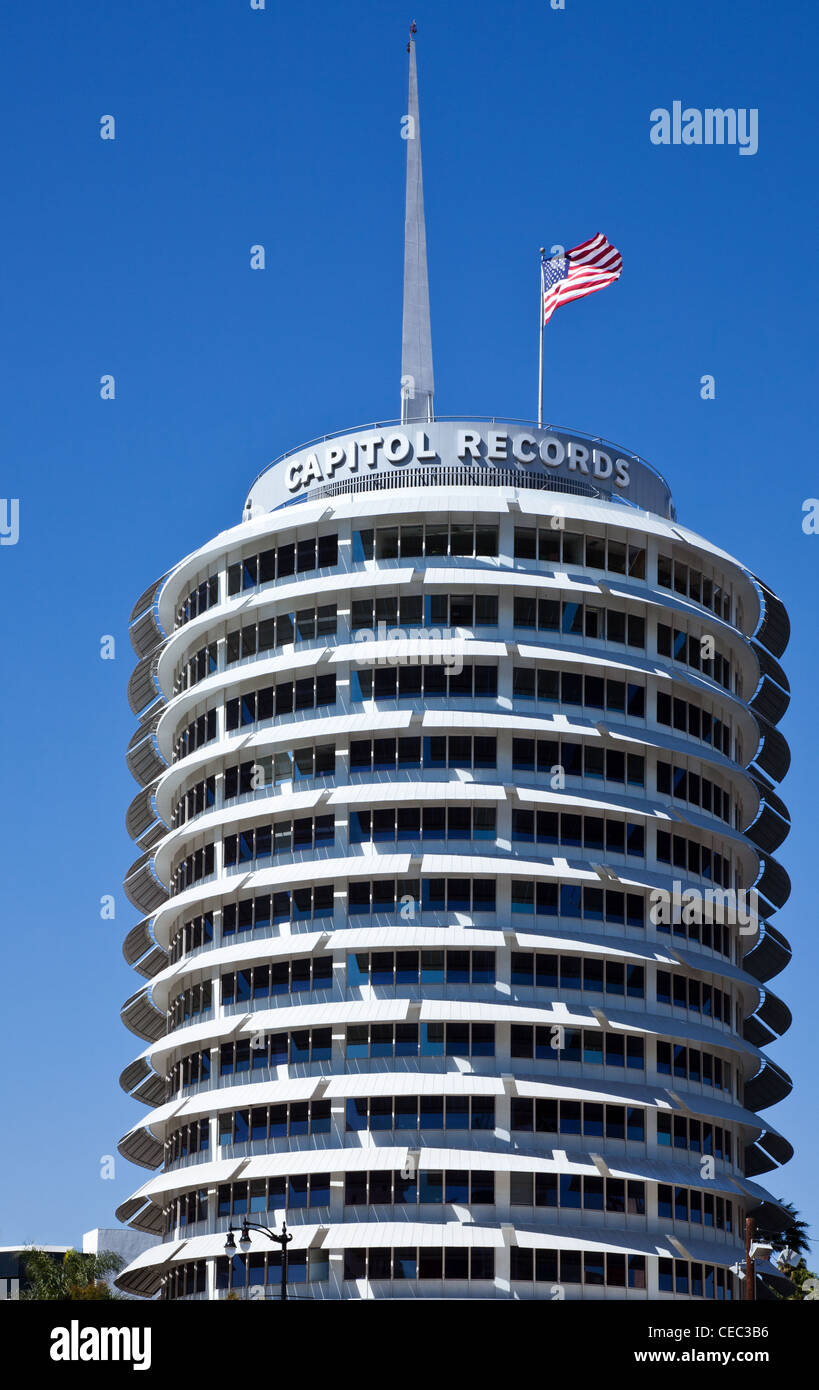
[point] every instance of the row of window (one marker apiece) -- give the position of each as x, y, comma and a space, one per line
692, 583
565, 1267
575, 1267
401, 1113
198, 798
244, 1272
434, 1185
699, 1208
391, 824
594, 1046
260, 843
262, 1122
694, 995
580, 619
199, 732
431, 682
568, 831
384, 612
241, 779
693, 1279
193, 1138
192, 869
196, 932
551, 755
189, 1004
275, 1050
454, 1039
715, 936
587, 973
301, 975
436, 538
270, 1194
473, 681
696, 652
364, 1113
597, 1047
266, 635
190, 1277
689, 1278
423, 1263
553, 546
192, 1070
576, 901
684, 1132
590, 1118
539, 969
198, 600
201, 665
257, 706
420, 967
439, 1039
694, 858
403, 897
282, 561
395, 824
378, 1114
290, 905
576, 1192
550, 545
463, 751
407, 896
689, 1063
595, 1120
184, 1280
450, 1186
691, 787
574, 688
696, 721
186, 1210
304, 625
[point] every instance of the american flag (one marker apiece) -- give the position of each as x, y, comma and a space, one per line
588, 267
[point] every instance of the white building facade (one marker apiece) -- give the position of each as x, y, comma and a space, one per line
457, 762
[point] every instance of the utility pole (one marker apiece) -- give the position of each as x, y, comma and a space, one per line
750, 1276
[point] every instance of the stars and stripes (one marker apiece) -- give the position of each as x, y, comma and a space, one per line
588, 267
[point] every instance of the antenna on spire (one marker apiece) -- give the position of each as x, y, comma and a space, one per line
416, 336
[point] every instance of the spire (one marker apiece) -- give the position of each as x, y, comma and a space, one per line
416, 337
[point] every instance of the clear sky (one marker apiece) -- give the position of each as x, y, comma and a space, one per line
281, 127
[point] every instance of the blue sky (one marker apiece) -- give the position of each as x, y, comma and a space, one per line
131, 257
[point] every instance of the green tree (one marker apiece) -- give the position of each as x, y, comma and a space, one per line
75, 1277
799, 1278
785, 1232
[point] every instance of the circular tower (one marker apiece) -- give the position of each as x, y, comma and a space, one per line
456, 826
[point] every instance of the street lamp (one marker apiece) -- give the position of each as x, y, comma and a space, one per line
244, 1239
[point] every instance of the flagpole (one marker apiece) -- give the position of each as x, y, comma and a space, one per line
540, 353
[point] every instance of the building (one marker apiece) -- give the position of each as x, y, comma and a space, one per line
13, 1281
124, 1241
457, 757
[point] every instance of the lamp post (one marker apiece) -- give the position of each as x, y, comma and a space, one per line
244, 1239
